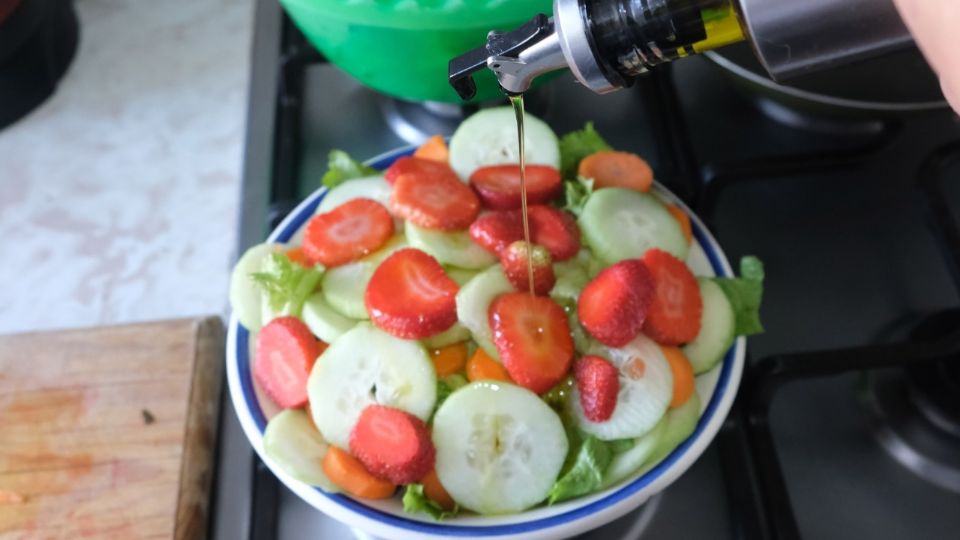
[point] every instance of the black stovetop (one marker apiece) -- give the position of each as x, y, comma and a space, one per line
854, 218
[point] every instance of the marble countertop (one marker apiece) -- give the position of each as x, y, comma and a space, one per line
119, 195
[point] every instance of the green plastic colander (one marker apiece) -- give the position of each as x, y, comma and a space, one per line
401, 47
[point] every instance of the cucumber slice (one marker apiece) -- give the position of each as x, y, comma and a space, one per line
680, 423
717, 327
489, 137
621, 224
499, 447
370, 187
245, 295
344, 286
460, 275
623, 465
293, 442
454, 334
324, 321
646, 387
473, 305
363, 367
455, 248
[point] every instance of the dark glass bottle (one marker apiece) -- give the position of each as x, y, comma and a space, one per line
630, 36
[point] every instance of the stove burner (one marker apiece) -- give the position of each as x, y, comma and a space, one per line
415, 122
917, 412
834, 124
632, 525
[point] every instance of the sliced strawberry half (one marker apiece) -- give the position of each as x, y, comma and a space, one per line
514, 259
598, 382
392, 444
498, 229
675, 311
614, 305
410, 296
420, 167
499, 185
555, 230
285, 353
347, 232
533, 339
434, 201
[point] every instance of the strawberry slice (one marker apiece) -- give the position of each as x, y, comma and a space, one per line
434, 200
285, 353
555, 230
392, 444
420, 167
613, 306
598, 382
533, 339
495, 230
499, 185
514, 260
410, 296
347, 232
675, 311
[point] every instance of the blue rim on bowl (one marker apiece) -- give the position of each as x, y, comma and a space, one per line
254, 420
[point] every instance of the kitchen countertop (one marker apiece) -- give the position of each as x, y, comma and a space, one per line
119, 195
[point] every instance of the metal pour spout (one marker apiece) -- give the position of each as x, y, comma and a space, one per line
516, 58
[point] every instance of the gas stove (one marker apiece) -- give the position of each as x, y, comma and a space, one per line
847, 423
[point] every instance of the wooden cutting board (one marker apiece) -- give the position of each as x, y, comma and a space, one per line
109, 432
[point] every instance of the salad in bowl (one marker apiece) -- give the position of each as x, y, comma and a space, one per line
406, 361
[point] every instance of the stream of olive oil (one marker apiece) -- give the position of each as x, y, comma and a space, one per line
517, 102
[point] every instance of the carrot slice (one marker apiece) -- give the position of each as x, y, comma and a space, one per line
683, 219
617, 169
682, 375
436, 492
298, 256
434, 149
350, 475
450, 359
481, 367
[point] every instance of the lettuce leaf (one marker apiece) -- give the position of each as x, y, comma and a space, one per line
287, 284
557, 396
746, 294
577, 192
585, 473
448, 385
415, 501
620, 446
577, 145
341, 167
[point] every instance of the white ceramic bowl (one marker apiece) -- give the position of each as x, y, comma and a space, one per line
385, 518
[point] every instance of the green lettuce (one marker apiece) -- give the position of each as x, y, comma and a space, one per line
584, 473
416, 501
447, 385
620, 446
287, 284
745, 294
341, 167
557, 396
577, 145
577, 192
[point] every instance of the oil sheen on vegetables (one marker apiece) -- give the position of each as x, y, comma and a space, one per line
517, 102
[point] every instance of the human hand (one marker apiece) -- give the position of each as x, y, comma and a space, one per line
935, 24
